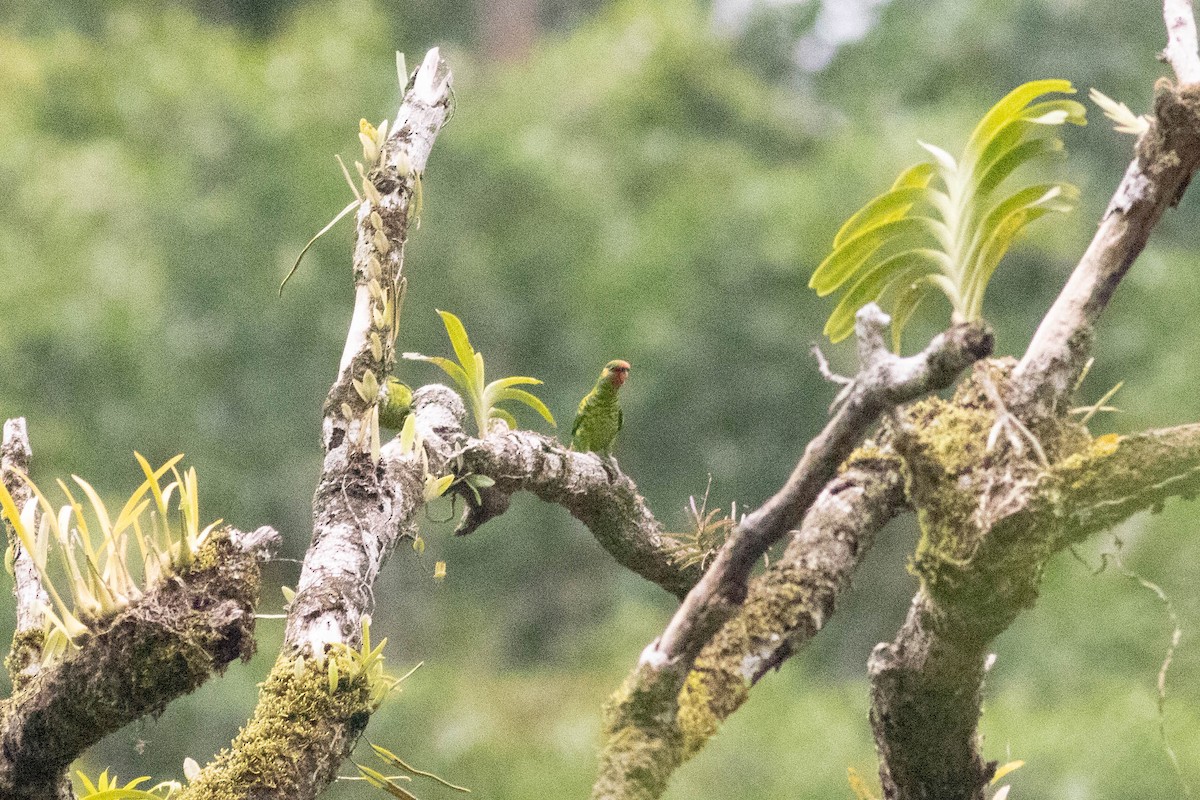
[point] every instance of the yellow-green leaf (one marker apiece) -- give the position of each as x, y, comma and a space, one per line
1011, 766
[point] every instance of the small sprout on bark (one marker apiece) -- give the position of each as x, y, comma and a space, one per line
475, 482
381, 242
709, 530
1125, 121
368, 387
289, 594
435, 487
439, 570
332, 670
372, 139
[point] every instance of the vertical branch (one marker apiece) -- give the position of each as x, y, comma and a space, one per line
25, 657
354, 526
1181, 51
317, 699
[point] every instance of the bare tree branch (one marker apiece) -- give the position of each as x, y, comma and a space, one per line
1181, 50
596, 493
24, 659
1167, 156
643, 742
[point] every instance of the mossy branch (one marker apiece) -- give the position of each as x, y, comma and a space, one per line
991, 521
367, 494
636, 713
165, 645
793, 599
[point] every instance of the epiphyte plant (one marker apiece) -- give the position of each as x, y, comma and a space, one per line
944, 223
101, 574
467, 373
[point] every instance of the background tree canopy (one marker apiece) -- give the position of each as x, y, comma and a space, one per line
654, 182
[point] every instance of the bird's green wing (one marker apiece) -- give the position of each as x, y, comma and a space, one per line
580, 414
620, 419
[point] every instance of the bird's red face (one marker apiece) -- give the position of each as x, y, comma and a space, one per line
617, 371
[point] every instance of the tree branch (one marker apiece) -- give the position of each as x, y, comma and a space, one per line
1181, 50
992, 519
884, 381
307, 720
643, 742
161, 647
987, 534
1167, 156
596, 493
791, 602
25, 657
1117, 477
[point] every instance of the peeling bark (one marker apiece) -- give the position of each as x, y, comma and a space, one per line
302, 729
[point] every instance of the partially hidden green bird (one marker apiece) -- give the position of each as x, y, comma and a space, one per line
395, 404
600, 416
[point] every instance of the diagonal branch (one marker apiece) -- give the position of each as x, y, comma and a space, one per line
883, 382
1167, 156
791, 602
643, 741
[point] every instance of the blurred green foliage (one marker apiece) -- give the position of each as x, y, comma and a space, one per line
647, 185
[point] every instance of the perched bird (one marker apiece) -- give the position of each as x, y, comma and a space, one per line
599, 412
395, 404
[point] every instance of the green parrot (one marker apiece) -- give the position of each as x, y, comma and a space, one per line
599, 412
395, 404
